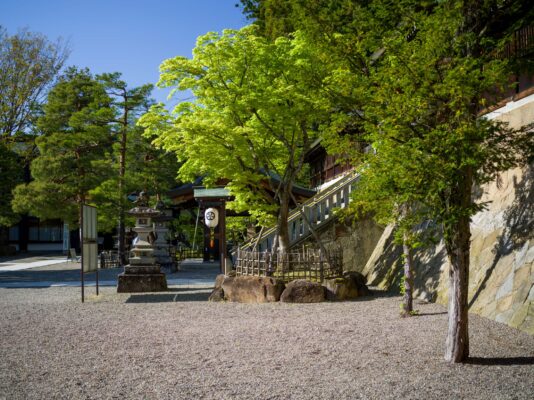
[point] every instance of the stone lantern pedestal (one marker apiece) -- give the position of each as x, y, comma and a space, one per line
161, 247
143, 273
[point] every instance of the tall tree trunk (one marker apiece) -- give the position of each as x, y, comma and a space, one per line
122, 171
81, 202
408, 278
283, 216
457, 242
121, 228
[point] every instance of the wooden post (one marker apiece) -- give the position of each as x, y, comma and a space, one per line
238, 261
268, 266
321, 266
222, 234
314, 234
81, 252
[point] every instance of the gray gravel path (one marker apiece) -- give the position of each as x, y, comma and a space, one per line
175, 345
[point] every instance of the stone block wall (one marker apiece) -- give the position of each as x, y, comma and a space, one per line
357, 238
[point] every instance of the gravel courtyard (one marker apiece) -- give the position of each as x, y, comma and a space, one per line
176, 345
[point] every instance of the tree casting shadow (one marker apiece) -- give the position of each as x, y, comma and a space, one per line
518, 220
501, 360
171, 296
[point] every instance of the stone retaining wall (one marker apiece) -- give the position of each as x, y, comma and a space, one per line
357, 239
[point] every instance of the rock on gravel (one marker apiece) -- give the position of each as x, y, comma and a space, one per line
302, 291
252, 289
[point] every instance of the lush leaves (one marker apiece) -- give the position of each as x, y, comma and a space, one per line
10, 175
29, 63
72, 150
256, 110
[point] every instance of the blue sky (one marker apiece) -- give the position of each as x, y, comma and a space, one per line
128, 36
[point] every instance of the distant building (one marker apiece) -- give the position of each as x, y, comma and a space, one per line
32, 234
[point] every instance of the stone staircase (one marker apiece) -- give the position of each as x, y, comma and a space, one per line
318, 211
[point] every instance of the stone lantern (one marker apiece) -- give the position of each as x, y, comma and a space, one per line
143, 273
161, 247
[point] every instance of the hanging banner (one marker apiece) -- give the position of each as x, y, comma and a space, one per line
89, 245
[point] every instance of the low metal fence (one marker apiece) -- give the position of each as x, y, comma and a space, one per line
182, 254
310, 264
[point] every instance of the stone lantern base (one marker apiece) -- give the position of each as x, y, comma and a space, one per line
139, 282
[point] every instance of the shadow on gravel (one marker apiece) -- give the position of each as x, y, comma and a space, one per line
501, 360
377, 293
426, 314
171, 296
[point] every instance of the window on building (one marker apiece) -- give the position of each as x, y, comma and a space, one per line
14, 233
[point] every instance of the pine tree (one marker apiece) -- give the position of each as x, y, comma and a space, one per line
128, 103
73, 149
29, 63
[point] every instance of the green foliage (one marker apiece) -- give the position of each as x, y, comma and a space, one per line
423, 119
29, 63
183, 228
412, 79
73, 149
255, 113
236, 229
135, 164
10, 175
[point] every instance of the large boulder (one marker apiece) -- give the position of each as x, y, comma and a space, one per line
302, 291
252, 289
219, 280
218, 294
340, 289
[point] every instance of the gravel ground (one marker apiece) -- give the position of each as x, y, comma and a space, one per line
175, 345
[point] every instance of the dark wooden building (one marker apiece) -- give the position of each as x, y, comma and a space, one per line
324, 167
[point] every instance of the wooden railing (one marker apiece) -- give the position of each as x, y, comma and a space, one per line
182, 254
109, 259
309, 264
522, 43
318, 210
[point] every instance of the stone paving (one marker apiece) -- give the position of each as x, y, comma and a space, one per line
50, 271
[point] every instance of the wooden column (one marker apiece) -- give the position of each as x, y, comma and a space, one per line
222, 235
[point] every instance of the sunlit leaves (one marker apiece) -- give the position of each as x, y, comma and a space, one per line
257, 107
